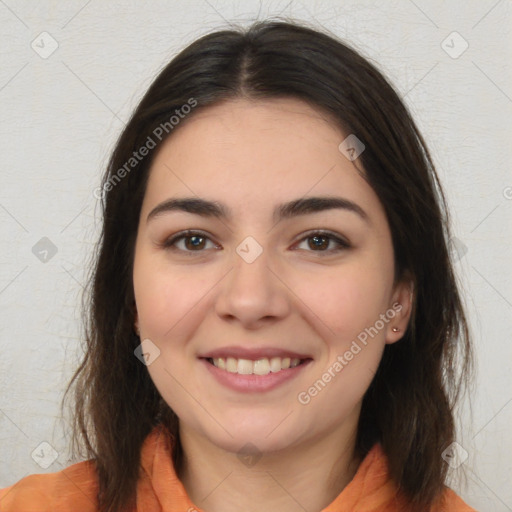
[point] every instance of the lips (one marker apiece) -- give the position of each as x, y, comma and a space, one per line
254, 383
254, 369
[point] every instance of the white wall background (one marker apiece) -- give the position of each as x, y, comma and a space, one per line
60, 116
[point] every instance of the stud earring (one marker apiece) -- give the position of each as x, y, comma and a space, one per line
395, 329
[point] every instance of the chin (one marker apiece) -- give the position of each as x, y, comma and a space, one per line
252, 443
262, 435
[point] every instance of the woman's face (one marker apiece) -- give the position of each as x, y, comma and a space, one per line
256, 281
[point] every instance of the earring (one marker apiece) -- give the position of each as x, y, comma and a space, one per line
137, 330
395, 329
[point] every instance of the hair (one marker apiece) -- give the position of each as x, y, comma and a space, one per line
409, 406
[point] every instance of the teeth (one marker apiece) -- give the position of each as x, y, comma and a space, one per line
260, 367
275, 364
231, 364
245, 367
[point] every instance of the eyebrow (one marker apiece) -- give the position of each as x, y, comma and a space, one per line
297, 207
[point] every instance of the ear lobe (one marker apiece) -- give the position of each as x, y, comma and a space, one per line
402, 304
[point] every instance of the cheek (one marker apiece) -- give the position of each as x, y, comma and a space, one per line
165, 295
168, 300
345, 301
348, 308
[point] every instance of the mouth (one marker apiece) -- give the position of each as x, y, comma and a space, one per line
260, 375
262, 366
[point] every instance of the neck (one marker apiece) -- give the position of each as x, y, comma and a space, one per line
308, 476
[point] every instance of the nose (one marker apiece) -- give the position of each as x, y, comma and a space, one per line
252, 294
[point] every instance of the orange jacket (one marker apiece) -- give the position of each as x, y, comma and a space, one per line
159, 489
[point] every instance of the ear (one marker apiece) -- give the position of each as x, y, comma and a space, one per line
402, 304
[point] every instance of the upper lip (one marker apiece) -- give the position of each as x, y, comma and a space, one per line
253, 353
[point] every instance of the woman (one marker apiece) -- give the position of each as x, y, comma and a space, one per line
274, 321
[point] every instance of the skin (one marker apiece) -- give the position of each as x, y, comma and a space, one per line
252, 156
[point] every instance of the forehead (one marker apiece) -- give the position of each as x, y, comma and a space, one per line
256, 153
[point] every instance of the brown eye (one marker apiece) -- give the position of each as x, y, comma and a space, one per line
193, 241
320, 241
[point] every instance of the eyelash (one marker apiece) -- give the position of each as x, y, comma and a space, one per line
171, 242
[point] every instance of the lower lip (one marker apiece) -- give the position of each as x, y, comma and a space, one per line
254, 383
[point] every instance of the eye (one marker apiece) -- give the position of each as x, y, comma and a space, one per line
321, 240
196, 241
193, 241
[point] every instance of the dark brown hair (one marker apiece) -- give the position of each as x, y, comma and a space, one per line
408, 407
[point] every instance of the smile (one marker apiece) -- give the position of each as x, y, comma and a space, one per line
242, 375
262, 366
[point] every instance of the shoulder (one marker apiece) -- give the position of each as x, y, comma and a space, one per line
451, 502
73, 488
